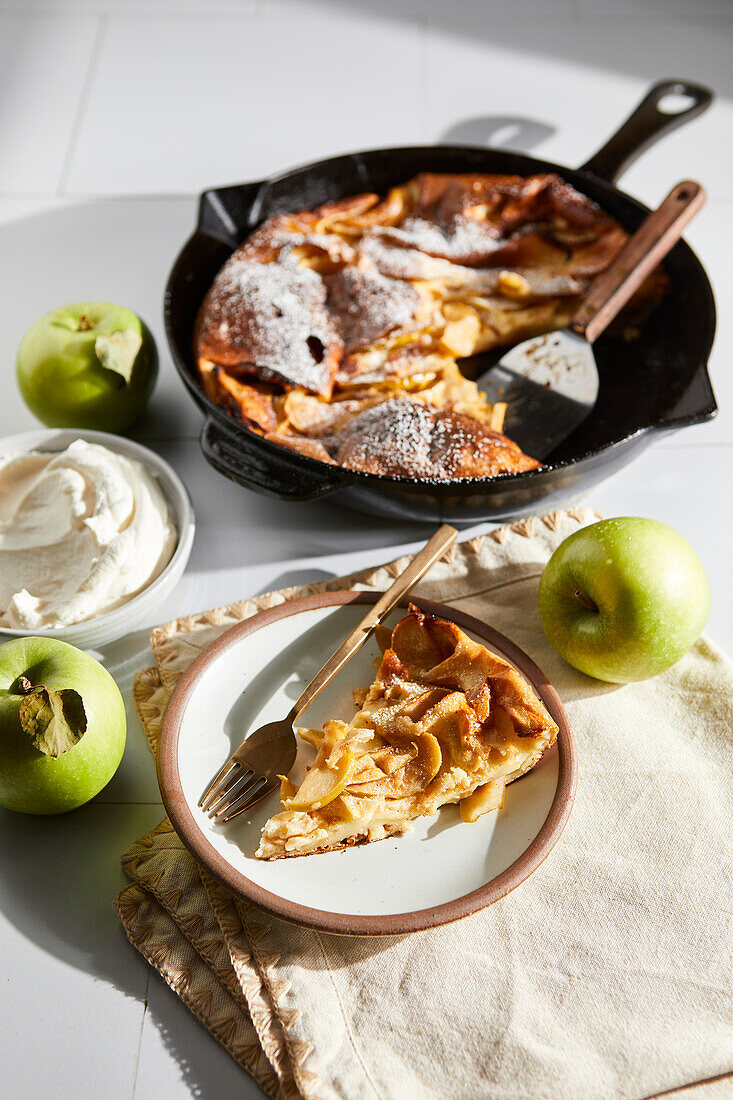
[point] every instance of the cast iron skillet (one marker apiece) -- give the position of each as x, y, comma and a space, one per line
656, 383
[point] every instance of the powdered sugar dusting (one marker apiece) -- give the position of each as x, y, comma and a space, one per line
277, 314
308, 301
400, 262
405, 438
463, 239
366, 305
397, 432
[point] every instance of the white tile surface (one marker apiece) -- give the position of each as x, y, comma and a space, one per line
570, 84
262, 544
478, 14
119, 250
178, 1057
43, 68
673, 483
73, 991
236, 98
711, 236
135, 780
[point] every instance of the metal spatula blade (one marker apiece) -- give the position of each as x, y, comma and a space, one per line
550, 383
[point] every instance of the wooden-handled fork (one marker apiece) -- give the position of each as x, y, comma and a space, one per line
252, 772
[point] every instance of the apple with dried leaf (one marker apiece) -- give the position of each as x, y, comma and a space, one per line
88, 365
62, 726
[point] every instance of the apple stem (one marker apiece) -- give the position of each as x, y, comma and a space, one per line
25, 687
84, 323
586, 600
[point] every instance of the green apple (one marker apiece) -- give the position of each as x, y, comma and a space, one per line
62, 726
624, 599
88, 365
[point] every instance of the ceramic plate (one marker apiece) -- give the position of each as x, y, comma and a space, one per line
441, 870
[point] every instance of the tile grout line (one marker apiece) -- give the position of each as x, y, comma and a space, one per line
89, 76
130, 802
681, 446
140, 1037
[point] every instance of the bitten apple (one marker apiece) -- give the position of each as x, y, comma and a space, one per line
62, 726
624, 599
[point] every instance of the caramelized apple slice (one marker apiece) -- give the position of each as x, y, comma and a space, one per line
462, 329
311, 736
287, 788
502, 722
422, 769
428, 760
489, 796
322, 784
334, 732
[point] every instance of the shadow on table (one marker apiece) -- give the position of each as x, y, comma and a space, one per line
294, 578
60, 876
615, 41
499, 132
207, 1069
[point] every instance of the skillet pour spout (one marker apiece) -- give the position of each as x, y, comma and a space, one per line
655, 383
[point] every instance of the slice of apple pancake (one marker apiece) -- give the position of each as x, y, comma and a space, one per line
446, 720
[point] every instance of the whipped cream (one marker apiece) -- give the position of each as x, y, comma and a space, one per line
81, 532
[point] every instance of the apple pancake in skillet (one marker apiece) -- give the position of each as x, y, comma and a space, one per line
337, 332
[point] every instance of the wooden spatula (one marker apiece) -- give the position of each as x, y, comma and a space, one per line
550, 383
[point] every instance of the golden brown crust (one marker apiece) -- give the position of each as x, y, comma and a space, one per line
352, 842
403, 438
270, 320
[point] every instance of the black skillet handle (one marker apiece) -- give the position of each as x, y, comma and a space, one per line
645, 125
282, 473
226, 213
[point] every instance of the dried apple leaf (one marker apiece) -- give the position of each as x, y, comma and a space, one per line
118, 351
54, 721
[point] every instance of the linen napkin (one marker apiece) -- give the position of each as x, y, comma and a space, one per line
606, 974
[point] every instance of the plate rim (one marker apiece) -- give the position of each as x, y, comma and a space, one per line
350, 924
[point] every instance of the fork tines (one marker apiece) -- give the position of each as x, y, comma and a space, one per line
233, 790
213, 791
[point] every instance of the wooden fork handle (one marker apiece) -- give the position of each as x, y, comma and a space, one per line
418, 567
637, 259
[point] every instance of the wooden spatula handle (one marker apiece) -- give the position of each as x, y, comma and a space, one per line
640, 255
417, 568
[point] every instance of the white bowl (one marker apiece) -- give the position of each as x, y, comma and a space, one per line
138, 611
